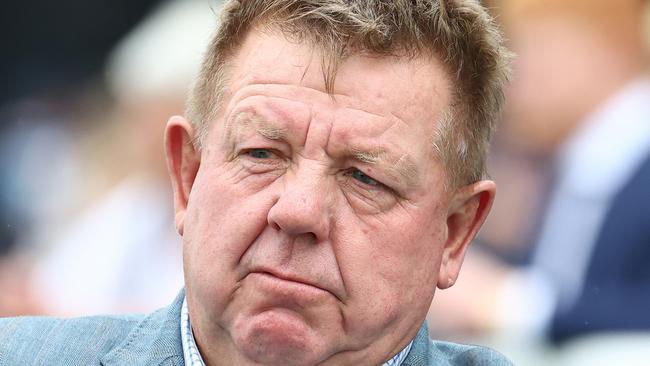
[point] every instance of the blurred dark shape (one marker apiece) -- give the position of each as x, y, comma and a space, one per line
616, 295
7, 232
50, 46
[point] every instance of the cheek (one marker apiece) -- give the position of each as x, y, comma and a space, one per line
222, 221
390, 267
407, 247
225, 211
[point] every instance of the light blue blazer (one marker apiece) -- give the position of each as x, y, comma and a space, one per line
155, 339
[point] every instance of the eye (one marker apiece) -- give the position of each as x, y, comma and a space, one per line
259, 161
364, 178
260, 153
365, 194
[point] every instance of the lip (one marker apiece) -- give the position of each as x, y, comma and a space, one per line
288, 277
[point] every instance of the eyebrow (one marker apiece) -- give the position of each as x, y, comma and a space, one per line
271, 132
402, 167
246, 120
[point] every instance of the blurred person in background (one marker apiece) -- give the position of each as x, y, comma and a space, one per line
580, 99
120, 253
50, 95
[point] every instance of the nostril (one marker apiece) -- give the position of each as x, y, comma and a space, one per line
275, 226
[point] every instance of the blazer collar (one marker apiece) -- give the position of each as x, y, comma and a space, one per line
156, 340
419, 354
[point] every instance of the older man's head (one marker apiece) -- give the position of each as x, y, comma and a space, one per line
335, 175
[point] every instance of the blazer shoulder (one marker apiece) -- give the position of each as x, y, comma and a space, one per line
52, 341
456, 354
428, 352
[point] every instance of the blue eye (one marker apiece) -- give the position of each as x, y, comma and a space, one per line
364, 178
259, 153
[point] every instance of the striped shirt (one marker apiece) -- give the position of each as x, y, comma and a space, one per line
193, 357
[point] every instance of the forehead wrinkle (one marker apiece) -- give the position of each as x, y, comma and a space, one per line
263, 87
307, 95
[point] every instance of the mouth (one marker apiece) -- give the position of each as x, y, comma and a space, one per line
287, 283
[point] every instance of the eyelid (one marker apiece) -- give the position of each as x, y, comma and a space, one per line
258, 141
367, 198
379, 186
376, 182
275, 162
392, 186
274, 153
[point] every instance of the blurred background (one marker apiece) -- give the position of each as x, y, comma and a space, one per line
560, 274
86, 216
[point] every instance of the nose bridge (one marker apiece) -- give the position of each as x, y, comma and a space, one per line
302, 206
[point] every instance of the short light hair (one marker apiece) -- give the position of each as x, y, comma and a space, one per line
459, 33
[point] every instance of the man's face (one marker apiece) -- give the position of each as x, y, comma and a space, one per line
316, 224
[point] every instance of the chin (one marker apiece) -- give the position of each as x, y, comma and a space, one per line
278, 337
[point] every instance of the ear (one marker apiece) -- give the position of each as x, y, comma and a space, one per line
183, 161
468, 209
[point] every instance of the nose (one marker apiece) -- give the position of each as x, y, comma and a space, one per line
302, 207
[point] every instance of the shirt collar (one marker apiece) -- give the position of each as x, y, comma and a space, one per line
193, 357
190, 350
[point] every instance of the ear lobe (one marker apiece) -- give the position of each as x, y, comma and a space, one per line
183, 161
468, 210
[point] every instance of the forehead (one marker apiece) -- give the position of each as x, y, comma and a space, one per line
384, 107
413, 89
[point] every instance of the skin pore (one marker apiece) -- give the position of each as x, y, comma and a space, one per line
315, 226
